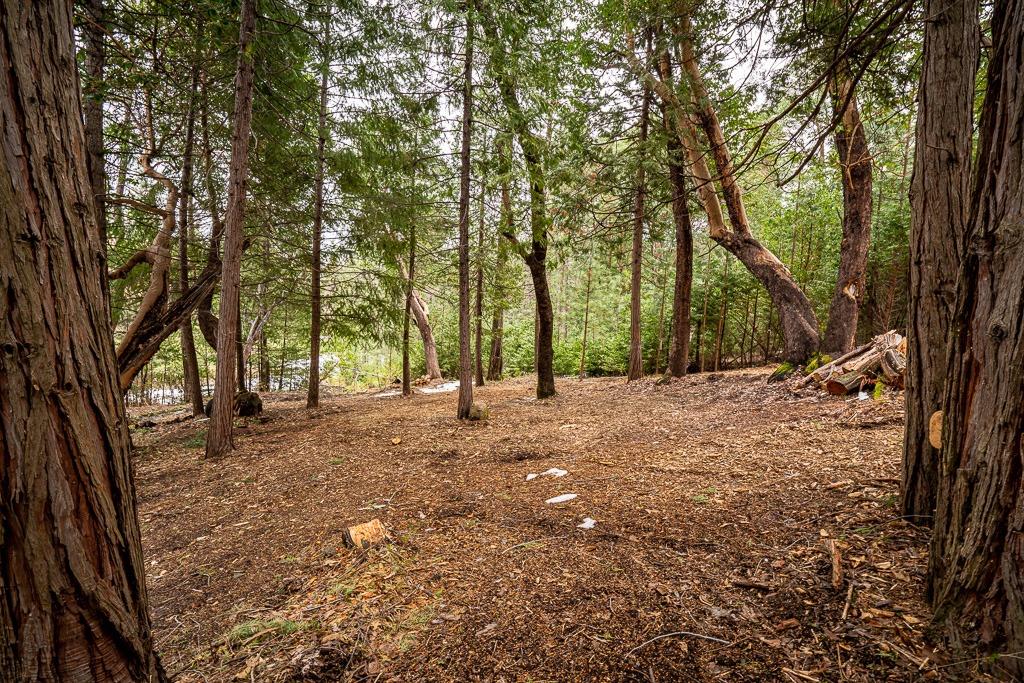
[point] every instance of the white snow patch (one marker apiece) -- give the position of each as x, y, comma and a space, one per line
441, 388
588, 523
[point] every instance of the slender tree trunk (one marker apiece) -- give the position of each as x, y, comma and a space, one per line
313, 390
975, 575
465, 355
636, 361
189, 362
72, 579
478, 354
586, 318
409, 293
855, 168
495, 365
939, 196
536, 255
94, 30
241, 384
679, 349
723, 310
219, 440
661, 322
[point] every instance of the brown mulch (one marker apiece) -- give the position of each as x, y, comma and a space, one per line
743, 533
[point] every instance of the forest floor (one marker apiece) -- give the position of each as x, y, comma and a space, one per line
761, 523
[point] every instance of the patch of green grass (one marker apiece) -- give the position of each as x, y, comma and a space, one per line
700, 499
258, 628
878, 391
338, 461
197, 440
343, 589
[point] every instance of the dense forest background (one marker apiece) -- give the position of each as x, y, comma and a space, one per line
391, 127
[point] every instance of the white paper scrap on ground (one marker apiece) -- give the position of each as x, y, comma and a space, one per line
863, 396
564, 498
553, 472
588, 523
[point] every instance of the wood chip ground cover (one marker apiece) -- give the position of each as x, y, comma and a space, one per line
743, 533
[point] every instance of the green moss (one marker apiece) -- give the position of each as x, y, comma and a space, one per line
817, 361
782, 372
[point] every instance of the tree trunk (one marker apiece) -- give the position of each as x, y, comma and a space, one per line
855, 168
636, 361
496, 365
219, 440
977, 551
939, 194
478, 355
94, 30
72, 580
679, 348
189, 362
586, 317
536, 255
409, 293
799, 324
465, 354
723, 309
313, 390
240, 380
421, 315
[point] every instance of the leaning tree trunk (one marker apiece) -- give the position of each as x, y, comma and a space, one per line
679, 346
975, 575
219, 437
939, 196
313, 388
855, 167
72, 579
421, 316
465, 354
636, 360
799, 324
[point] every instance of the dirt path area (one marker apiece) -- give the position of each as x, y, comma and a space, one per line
742, 533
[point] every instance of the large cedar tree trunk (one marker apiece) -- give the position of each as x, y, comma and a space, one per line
219, 437
939, 196
976, 567
465, 354
72, 581
855, 167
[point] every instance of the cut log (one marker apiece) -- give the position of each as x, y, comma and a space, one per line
879, 360
841, 385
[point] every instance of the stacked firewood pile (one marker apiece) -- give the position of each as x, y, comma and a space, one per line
883, 359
